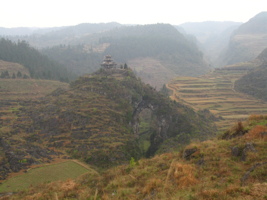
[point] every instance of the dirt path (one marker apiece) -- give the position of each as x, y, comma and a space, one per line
85, 166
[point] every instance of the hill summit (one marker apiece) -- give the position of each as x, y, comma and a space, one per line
104, 119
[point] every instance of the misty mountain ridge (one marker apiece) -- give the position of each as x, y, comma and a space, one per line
256, 25
157, 48
212, 36
45, 37
255, 82
247, 42
79, 29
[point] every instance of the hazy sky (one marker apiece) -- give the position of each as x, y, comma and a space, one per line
48, 13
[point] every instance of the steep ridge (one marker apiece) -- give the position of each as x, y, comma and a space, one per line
254, 83
248, 41
97, 120
213, 36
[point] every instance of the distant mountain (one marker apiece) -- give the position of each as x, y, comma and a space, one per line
48, 37
16, 31
255, 82
38, 65
156, 52
247, 42
213, 36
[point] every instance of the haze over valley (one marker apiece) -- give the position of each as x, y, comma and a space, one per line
134, 111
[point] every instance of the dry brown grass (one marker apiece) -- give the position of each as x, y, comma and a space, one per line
68, 185
258, 132
257, 117
238, 127
152, 184
170, 176
184, 175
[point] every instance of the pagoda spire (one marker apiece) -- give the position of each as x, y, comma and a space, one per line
108, 62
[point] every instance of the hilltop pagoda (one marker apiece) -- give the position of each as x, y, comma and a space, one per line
108, 63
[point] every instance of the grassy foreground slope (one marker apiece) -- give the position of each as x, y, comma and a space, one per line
215, 91
233, 168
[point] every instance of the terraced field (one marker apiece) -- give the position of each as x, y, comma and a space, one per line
215, 92
46, 173
13, 92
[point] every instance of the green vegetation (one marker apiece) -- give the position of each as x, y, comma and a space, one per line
166, 52
45, 174
215, 169
18, 89
39, 66
70, 56
96, 120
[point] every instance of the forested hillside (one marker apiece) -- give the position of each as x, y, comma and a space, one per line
39, 66
75, 58
167, 53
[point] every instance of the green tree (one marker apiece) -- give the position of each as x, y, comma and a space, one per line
2, 75
19, 74
6, 74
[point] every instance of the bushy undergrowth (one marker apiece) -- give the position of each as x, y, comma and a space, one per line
210, 171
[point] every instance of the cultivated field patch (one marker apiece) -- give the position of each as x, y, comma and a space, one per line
48, 173
215, 91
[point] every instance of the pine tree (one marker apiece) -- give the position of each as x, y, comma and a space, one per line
19, 74
6, 74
